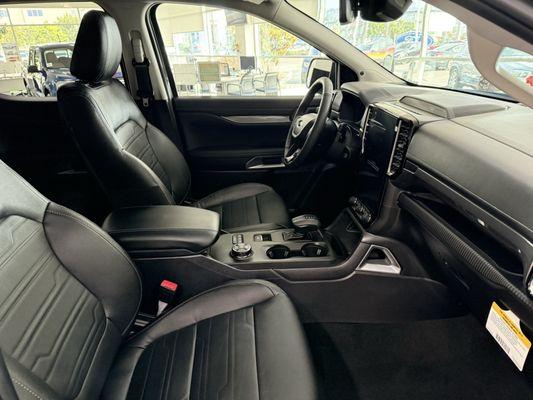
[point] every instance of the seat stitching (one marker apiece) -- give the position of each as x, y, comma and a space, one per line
165, 370
158, 160
16, 250
132, 138
39, 318
66, 330
171, 369
90, 342
148, 368
58, 345
207, 352
23, 284
256, 356
229, 364
232, 346
142, 152
200, 358
27, 389
20, 297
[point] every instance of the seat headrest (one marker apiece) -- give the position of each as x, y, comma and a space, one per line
98, 48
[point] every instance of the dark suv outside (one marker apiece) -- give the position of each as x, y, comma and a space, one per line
48, 68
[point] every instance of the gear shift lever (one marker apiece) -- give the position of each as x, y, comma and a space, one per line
306, 223
303, 225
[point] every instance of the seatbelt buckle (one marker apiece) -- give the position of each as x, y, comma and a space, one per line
168, 291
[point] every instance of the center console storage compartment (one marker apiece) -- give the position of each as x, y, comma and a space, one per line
163, 231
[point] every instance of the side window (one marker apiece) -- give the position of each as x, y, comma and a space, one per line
220, 52
36, 42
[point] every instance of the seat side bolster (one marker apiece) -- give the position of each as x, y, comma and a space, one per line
97, 261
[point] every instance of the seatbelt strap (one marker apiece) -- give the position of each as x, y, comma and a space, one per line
142, 70
7, 391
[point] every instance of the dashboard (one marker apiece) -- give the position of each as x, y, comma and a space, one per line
463, 165
380, 133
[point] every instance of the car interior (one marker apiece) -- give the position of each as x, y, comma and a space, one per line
320, 218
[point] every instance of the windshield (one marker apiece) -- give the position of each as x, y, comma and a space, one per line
425, 46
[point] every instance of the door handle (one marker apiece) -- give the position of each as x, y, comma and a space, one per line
268, 162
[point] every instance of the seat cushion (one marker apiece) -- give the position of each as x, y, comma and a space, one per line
242, 340
247, 207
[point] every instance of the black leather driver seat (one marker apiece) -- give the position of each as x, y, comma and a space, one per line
68, 297
134, 162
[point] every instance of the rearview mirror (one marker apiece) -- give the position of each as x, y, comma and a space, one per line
318, 68
372, 10
347, 12
32, 69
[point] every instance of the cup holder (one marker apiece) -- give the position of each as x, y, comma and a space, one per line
279, 251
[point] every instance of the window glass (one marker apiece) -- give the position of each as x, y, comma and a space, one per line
36, 42
221, 52
425, 46
58, 57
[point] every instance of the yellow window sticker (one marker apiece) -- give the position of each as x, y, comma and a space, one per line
504, 326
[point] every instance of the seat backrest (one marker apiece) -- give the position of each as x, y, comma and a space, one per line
134, 162
68, 295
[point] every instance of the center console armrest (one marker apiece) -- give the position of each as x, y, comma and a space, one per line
160, 231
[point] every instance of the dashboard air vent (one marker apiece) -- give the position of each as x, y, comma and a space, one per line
404, 128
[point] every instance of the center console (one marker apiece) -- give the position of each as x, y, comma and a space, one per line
282, 248
331, 273
174, 231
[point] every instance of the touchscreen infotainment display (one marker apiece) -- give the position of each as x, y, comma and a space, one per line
379, 137
378, 141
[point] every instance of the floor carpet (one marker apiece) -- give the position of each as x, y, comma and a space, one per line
442, 359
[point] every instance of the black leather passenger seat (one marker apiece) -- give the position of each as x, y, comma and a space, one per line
68, 297
134, 162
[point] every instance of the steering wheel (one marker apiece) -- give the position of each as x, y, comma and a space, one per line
307, 128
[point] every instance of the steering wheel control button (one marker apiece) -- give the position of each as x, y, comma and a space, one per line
241, 251
278, 252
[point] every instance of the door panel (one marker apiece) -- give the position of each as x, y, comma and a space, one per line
227, 138
227, 133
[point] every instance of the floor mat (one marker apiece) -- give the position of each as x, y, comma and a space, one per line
443, 359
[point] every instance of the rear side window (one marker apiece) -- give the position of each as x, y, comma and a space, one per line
36, 43
215, 51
